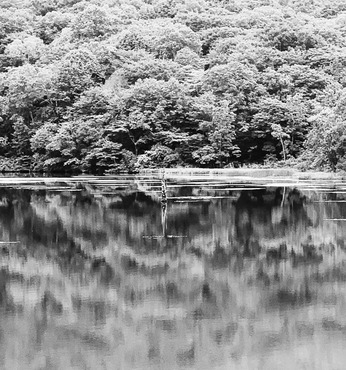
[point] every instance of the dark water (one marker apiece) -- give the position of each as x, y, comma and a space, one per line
98, 275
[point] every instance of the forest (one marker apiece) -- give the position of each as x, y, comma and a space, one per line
106, 86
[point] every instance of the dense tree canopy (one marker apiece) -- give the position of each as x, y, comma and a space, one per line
120, 85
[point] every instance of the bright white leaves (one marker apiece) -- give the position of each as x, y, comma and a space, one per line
28, 48
95, 22
26, 84
162, 38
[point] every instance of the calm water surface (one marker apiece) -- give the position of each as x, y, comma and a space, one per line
96, 274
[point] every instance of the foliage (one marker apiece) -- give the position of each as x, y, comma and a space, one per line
111, 85
326, 144
94, 22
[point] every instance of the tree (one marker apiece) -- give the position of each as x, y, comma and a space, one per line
28, 49
79, 70
95, 101
290, 35
69, 148
163, 105
281, 120
50, 26
203, 21
12, 22
305, 80
214, 35
163, 39
217, 126
94, 22
233, 79
261, 17
132, 131
159, 156
107, 155
20, 143
326, 142
42, 7
149, 67
29, 90
280, 134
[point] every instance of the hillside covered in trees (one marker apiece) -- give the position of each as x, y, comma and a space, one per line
120, 85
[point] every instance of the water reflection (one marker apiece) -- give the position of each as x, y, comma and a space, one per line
95, 277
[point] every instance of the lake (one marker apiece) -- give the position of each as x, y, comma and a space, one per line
97, 273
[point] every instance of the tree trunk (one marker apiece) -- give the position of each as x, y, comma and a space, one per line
283, 148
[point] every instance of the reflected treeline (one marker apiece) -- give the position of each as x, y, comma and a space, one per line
114, 273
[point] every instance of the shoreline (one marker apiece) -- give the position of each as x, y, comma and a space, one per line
282, 175
241, 173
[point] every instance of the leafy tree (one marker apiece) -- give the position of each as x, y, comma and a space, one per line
279, 133
170, 38
188, 57
12, 22
157, 157
160, 69
286, 36
213, 35
51, 25
42, 7
28, 49
132, 131
276, 83
94, 22
42, 137
331, 9
79, 70
263, 58
216, 124
93, 102
305, 80
70, 146
200, 21
326, 142
163, 39
21, 138
106, 155
58, 49
163, 104
27, 88
260, 17
230, 78
281, 121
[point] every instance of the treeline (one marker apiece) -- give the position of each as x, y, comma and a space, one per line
119, 85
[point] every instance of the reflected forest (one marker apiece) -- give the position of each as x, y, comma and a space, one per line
94, 275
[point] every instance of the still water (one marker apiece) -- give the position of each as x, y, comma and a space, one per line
96, 274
